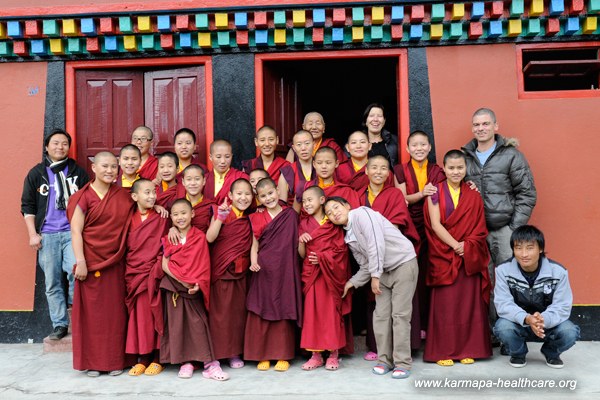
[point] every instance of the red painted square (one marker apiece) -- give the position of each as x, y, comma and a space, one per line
577, 6
260, 19
417, 13
19, 48
182, 22
317, 36
107, 25
92, 44
339, 16
166, 42
552, 26
475, 30
497, 9
396, 32
32, 28
241, 38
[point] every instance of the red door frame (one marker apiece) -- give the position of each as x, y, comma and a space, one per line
402, 79
70, 95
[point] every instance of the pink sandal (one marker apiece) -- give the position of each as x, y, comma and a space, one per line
332, 364
370, 356
186, 371
212, 370
236, 362
314, 362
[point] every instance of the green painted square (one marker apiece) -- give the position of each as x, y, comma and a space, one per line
517, 7
279, 19
298, 35
5, 49
534, 27
74, 45
202, 21
377, 33
438, 12
593, 6
223, 39
456, 30
358, 16
148, 42
125, 25
50, 27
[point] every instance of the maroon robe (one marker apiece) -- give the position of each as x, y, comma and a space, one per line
149, 169
144, 256
339, 190
202, 210
230, 259
194, 161
460, 294
274, 298
99, 319
297, 189
323, 285
357, 180
209, 188
278, 166
329, 142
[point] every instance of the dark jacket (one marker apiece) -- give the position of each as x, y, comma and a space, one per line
391, 145
34, 199
505, 182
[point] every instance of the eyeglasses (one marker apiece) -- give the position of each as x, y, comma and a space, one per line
140, 139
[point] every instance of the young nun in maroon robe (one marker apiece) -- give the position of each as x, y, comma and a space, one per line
166, 176
324, 273
418, 180
266, 142
142, 138
389, 202
223, 174
186, 293
130, 158
302, 170
458, 275
99, 313
274, 299
143, 263
230, 236
184, 144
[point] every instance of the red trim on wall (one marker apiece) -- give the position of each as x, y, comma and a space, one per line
402, 90
70, 95
551, 94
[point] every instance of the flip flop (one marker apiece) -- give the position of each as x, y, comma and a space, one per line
370, 356
212, 370
186, 371
314, 362
400, 373
115, 372
445, 363
467, 360
236, 362
332, 363
381, 369
93, 374
137, 370
263, 365
154, 369
282, 366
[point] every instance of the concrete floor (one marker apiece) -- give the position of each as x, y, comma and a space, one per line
27, 373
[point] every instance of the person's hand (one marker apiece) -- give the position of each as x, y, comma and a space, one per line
313, 258
536, 322
162, 211
157, 181
194, 289
429, 190
223, 211
375, 286
81, 270
35, 242
472, 186
347, 287
254, 267
460, 248
173, 236
305, 238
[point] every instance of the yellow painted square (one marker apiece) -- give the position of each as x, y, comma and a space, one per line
56, 46
537, 8
458, 11
590, 25
69, 27
358, 34
221, 20
515, 27
436, 31
299, 18
129, 43
144, 24
204, 39
2, 31
377, 15
280, 36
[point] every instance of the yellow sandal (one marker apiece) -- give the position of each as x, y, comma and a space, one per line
282, 366
154, 369
137, 370
445, 363
467, 360
263, 365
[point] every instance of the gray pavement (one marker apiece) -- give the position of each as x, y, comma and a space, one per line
27, 373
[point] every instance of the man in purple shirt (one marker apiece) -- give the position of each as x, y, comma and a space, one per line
46, 192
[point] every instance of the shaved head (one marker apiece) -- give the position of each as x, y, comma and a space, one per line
312, 114
104, 155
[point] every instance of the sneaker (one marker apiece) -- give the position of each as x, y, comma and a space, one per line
503, 349
518, 362
555, 362
59, 333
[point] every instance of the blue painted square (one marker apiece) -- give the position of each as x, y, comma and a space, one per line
261, 37
110, 43
337, 35
397, 14
495, 29
572, 25
477, 10
13, 29
416, 32
87, 26
557, 7
163, 23
185, 40
38, 47
319, 17
241, 20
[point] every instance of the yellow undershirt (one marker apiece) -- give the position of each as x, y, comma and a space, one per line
371, 196
321, 222
356, 166
455, 194
306, 177
237, 212
317, 144
196, 203
420, 173
126, 183
219, 180
324, 185
165, 186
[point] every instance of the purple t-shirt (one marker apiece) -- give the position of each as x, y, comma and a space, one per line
56, 220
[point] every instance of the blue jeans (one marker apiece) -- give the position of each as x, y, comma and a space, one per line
515, 337
55, 257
